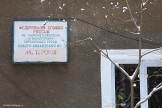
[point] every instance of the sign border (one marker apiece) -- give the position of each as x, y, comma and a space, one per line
43, 19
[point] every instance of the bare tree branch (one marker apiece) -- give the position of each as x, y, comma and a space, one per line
117, 65
112, 61
133, 19
156, 49
149, 96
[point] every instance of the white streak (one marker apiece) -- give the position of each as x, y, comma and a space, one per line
42, 1
106, 16
125, 8
82, 9
84, 39
144, 8
45, 22
60, 7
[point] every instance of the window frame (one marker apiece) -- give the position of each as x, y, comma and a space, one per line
126, 56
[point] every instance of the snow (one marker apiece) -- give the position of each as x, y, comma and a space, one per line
139, 28
116, 6
82, 9
145, 2
106, 16
74, 19
134, 85
42, 1
124, 9
90, 38
135, 33
45, 22
144, 8
60, 7
94, 50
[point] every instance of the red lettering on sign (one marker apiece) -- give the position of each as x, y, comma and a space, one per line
45, 52
40, 31
29, 52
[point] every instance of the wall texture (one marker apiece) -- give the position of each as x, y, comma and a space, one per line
75, 84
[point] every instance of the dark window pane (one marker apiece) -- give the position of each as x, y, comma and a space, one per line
154, 78
122, 86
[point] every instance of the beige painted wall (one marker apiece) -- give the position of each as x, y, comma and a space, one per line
75, 84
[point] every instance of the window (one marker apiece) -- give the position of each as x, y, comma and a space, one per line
122, 85
155, 77
111, 78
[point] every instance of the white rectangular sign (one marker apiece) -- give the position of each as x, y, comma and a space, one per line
40, 41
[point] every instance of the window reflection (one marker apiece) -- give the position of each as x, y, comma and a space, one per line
154, 78
122, 86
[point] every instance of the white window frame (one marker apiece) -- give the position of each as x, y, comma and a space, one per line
127, 56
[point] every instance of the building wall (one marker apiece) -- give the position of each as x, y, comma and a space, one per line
75, 84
